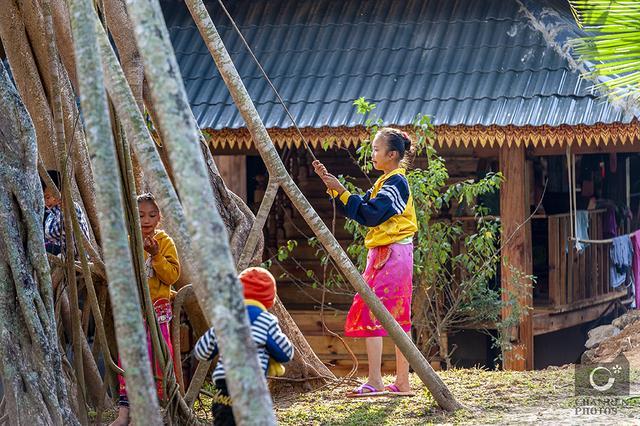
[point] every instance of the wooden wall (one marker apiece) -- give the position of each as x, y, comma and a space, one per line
233, 169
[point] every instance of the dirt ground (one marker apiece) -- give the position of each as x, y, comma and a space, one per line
627, 342
544, 397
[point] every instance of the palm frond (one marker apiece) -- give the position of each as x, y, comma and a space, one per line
613, 51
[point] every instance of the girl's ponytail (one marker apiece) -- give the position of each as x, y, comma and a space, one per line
409, 152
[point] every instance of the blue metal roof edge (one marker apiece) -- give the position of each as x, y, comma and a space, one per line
457, 85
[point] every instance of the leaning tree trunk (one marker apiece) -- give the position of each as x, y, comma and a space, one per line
31, 14
130, 331
236, 215
115, 12
278, 172
34, 384
213, 262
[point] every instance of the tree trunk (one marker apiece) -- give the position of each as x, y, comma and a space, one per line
159, 183
213, 261
121, 30
23, 64
34, 386
306, 369
278, 172
130, 331
34, 25
306, 365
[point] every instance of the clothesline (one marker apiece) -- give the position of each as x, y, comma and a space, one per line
623, 261
571, 168
606, 241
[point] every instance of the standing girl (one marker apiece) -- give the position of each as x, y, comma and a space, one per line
163, 270
387, 209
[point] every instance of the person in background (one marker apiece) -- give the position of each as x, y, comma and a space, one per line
54, 232
163, 270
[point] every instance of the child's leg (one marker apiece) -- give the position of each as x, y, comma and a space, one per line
374, 357
402, 372
159, 372
221, 409
123, 417
123, 400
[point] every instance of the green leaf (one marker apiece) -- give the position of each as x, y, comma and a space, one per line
613, 49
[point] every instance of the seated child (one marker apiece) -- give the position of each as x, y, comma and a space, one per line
54, 233
259, 293
163, 270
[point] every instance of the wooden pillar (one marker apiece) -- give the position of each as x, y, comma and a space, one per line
514, 210
233, 169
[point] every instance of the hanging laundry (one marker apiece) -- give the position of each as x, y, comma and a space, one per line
621, 254
582, 228
635, 239
610, 224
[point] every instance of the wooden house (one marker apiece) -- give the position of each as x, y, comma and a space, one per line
498, 79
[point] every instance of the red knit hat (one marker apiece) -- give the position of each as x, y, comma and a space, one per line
259, 285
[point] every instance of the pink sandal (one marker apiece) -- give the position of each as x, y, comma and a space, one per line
366, 390
395, 390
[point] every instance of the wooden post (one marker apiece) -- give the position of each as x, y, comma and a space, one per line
514, 210
555, 254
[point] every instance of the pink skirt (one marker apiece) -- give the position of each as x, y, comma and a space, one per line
389, 275
164, 316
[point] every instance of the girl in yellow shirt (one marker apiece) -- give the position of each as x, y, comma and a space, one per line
387, 210
163, 270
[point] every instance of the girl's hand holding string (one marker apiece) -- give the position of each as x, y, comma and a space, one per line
332, 183
319, 168
151, 246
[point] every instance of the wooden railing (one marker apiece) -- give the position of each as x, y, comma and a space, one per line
577, 275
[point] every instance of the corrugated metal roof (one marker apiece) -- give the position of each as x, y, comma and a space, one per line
463, 62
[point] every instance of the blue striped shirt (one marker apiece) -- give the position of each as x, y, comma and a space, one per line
271, 342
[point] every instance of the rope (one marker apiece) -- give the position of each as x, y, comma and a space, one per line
354, 359
255, 59
354, 367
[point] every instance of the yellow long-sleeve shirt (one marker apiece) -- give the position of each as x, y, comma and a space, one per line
166, 267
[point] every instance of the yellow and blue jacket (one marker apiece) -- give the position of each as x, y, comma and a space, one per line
163, 269
387, 209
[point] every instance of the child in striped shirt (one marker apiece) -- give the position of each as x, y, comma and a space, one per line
54, 232
272, 344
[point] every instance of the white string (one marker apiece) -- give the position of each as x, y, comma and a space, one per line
572, 213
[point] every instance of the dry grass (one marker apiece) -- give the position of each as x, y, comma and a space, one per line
490, 397
544, 397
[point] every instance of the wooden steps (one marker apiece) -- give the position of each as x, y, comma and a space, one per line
331, 350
